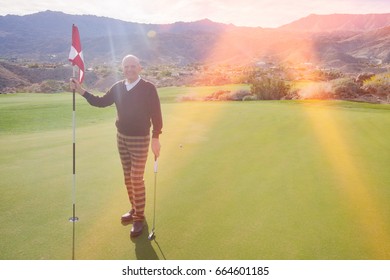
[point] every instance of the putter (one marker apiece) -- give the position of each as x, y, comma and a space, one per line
152, 234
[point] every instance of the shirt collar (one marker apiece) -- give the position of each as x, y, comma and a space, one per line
129, 86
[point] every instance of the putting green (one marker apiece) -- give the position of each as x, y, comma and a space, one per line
236, 180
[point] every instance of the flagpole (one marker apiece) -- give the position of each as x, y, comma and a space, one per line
76, 57
74, 219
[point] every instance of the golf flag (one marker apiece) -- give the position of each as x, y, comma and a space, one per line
76, 53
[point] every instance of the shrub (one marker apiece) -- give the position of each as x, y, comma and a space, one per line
328, 75
267, 88
319, 90
227, 95
378, 85
363, 77
165, 73
249, 98
345, 88
293, 94
49, 86
33, 65
218, 95
239, 95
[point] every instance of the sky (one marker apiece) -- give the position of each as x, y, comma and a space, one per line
256, 13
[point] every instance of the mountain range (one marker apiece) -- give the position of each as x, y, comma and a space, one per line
338, 40
348, 43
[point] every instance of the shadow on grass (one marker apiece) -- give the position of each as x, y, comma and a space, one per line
143, 246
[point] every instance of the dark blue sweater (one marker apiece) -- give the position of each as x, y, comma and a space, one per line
137, 109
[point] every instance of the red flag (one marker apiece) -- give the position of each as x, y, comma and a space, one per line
76, 53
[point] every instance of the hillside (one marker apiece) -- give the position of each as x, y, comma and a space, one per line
339, 22
350, 43
45, 36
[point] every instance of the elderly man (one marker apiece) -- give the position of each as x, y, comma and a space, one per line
138, 109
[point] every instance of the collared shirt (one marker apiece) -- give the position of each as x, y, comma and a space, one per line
129, 86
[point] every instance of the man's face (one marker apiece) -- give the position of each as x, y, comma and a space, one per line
131, 69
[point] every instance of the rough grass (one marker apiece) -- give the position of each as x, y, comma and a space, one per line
257, 180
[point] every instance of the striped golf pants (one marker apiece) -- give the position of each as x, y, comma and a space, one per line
133, 151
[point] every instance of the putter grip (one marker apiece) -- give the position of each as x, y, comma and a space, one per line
155, 166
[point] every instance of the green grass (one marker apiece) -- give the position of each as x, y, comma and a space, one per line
237, 180
26, 113
172, 94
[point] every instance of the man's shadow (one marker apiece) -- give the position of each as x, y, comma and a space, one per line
143, 246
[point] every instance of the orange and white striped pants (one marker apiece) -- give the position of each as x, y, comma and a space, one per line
133, 152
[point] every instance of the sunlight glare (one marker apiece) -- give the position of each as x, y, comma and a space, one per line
354, 185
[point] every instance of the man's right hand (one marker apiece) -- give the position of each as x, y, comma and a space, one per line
74, 84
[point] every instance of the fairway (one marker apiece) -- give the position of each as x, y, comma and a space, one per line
278, 180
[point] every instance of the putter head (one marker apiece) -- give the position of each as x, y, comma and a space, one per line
151, 235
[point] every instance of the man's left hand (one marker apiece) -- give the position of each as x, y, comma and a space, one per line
156, 147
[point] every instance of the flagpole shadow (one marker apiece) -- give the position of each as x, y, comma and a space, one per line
158, 245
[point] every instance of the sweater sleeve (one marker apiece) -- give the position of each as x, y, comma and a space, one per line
155, 113
101, 101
